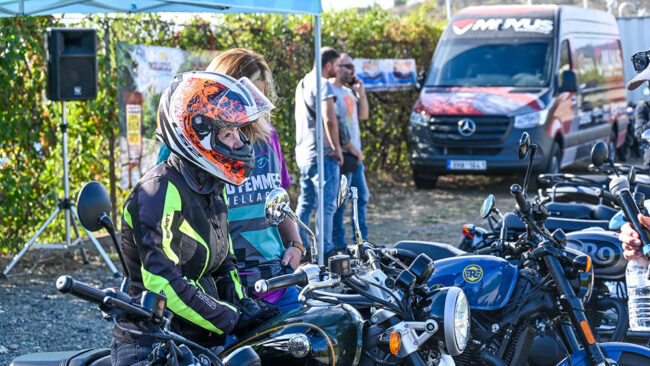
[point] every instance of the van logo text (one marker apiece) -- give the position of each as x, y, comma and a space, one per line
544, 26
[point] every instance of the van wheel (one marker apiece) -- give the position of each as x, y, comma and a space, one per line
424, 183
611, 145
625, 151
555, 160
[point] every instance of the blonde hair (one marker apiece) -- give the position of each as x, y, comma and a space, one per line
241, 62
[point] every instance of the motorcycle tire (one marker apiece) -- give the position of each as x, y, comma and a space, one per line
605, 307
624, 153
631, 359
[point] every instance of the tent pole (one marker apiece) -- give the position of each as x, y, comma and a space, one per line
320, 224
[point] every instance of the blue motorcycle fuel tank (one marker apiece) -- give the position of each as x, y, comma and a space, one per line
487, 281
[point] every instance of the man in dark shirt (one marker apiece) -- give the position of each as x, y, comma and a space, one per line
640, 61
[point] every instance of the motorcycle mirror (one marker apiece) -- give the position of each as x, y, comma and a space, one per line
93, 205
599, 154
487, 207
274, 207
646, 136
343, 191
524, 145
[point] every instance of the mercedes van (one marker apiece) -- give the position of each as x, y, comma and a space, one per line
555, 72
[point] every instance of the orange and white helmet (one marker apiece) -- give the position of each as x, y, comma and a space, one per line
193, 109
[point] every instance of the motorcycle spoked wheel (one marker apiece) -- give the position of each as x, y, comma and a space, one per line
609, 319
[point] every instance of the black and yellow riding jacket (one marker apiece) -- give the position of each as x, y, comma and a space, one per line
175, 240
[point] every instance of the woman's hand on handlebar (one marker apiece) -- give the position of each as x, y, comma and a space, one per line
630, 238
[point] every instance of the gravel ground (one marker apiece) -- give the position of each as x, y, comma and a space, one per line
34, 317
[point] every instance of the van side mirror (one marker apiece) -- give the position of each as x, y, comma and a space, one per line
569, 82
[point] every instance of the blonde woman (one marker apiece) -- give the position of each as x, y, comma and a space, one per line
262, 251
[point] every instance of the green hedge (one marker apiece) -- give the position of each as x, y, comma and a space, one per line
30, 178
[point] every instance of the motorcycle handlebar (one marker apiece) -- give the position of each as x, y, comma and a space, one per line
601, 193
297, 278
486, 250
517, 191
67, 284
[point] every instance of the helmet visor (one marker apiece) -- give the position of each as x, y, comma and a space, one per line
241, 104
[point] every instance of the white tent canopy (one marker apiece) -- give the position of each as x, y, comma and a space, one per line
13, 8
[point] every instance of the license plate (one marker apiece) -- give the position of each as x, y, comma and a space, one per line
466, 165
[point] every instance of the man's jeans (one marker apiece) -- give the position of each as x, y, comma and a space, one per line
307, 201
356, 179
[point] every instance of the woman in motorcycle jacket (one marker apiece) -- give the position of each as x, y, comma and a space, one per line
263, 251
175, 227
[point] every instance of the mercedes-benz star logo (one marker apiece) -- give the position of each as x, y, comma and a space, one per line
466, 127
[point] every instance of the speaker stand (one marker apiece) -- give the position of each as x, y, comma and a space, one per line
67, 207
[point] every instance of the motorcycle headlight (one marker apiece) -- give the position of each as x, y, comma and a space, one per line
419, 118
449, 307
461, 319
530, 120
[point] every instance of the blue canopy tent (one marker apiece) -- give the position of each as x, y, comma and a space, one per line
17, 8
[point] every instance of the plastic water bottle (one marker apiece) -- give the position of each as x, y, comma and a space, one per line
638, 292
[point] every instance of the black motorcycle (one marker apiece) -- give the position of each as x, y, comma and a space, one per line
117, 306
354, 313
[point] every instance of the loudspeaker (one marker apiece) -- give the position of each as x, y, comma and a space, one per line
71, 64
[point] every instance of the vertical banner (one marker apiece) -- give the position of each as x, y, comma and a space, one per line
144, 72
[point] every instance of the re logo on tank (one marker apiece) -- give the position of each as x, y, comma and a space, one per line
472, 273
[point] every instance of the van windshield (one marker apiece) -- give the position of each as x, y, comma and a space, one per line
514, 62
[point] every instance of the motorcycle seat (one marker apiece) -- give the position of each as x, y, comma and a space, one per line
86, 357
513, 223
580, 211
434, 250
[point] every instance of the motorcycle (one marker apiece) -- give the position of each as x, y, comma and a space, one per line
353, 313
591, 190
527, 308
116, 306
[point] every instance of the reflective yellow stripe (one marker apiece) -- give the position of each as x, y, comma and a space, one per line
187, 229
127, 217
157, 283
172, 203
235, 278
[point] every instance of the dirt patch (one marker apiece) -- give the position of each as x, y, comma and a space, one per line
34, 317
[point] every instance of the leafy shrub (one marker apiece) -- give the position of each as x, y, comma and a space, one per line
30, 146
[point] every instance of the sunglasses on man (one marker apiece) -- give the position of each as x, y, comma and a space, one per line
347, 66
640, 60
